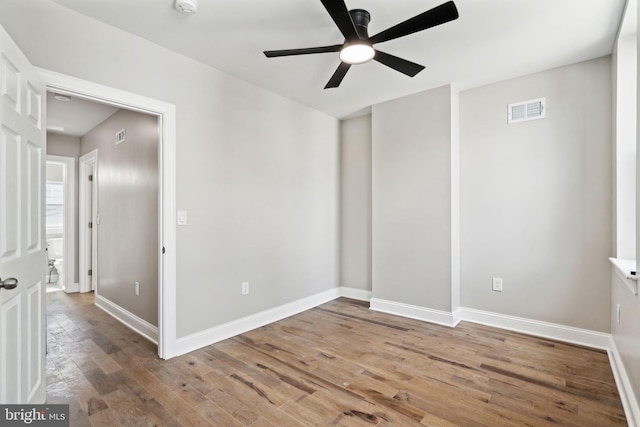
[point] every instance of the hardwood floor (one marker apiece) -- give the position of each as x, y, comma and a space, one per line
337, 364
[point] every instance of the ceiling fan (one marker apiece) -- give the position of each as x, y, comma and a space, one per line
358, 46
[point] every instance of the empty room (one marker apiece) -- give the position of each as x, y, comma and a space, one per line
330, 212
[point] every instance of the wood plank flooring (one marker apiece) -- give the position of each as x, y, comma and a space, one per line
337, 364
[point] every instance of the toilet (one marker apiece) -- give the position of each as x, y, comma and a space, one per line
55, 247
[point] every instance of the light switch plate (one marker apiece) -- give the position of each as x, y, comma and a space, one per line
182, 217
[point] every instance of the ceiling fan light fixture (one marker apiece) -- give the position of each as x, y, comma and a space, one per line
357, 53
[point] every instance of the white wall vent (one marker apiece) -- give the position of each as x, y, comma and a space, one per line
527, 110
121, 136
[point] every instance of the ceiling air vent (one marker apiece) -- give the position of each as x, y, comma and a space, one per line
527, 110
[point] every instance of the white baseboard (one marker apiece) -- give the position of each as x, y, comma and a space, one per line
627, 396
353, 293
414, 312
129, 319
236, 327
538, 328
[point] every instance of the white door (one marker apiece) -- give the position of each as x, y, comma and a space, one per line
22, 248
88, 236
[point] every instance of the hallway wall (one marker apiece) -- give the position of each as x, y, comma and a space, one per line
127, 180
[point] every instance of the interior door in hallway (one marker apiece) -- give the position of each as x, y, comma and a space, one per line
22, 244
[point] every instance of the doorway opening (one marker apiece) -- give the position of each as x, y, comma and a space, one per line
60, 223
118, 206
164, 334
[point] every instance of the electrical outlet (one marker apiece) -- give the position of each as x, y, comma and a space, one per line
245, 288
136, 287
618, 313
497, 284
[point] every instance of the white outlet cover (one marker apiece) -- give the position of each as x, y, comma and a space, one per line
497, 284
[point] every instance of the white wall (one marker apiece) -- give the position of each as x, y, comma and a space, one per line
624, 72
257, 173
536, 197
411, 205
626, 334
355, 203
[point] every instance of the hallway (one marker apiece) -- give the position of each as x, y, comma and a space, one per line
86, 351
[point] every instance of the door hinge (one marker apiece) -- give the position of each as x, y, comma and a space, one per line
90, 177
90, 225
163, 250
90, 272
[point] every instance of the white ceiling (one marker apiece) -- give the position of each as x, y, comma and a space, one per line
75, 117
492, 40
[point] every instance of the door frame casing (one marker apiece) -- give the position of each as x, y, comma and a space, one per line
166, 113
88, 255
69, 231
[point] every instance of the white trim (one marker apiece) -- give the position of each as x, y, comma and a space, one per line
236, 327
354, 293
537, 328
167, 294
623, 268
88, 196
625, 390
439, 317
454, 94
69, 232
128, 319
167, 345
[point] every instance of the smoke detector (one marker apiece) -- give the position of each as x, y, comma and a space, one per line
61, 97
187, 7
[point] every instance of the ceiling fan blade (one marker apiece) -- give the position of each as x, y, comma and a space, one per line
340, 15
305, 51
438, 15
406, 67
337, 77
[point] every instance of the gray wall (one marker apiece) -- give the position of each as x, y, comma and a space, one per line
536, 197
257, 173
128, 208
411, 207
355, 203
63, 145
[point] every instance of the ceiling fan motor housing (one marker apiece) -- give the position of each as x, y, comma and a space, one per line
360, 19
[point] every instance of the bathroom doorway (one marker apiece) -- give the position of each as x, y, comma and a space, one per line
60, 199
